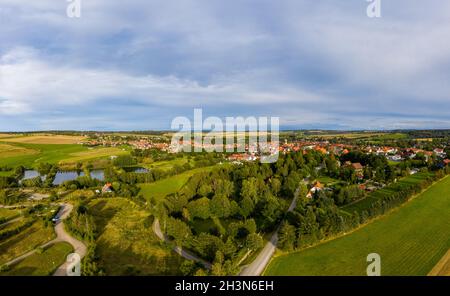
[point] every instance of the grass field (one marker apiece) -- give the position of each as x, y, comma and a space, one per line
126, 244
167, 164
42, 264
410, 241
365, 204
162, 188
30, 155
25, 241
93, 154
7, 151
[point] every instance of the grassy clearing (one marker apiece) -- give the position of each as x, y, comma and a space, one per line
126, 244
410, 241
46, 139
327, 180
25, 241
167, 164
162, 188
366, 203
93, 153
41, 264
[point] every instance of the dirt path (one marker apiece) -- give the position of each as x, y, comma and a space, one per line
185, 254
442, 268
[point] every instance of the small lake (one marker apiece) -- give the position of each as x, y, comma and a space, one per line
30, 174
63, 176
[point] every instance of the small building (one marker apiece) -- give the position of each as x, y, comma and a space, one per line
107, 188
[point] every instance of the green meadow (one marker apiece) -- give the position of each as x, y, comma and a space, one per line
410, 240
164, 187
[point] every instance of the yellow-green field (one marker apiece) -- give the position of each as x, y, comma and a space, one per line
410, 240
160, 189
30, 238
7, 150
126, 244
41, 264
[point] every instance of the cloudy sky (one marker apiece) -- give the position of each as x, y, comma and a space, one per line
137, 64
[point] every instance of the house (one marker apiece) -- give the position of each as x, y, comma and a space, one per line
316, 188
107, 188
357, 166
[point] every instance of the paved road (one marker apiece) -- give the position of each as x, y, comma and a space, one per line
61, 236
259, 264
185, 254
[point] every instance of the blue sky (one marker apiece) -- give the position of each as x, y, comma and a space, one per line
137, 64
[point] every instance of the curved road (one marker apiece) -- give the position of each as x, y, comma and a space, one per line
61, 236
253, 269
185, 254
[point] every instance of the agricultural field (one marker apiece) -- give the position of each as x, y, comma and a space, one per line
365, 203
160, 189
41, 264
28, 239
418, 231
67, 155
7, 151
46, 139
126, 244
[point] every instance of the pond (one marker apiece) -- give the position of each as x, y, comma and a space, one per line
63, 176
136, 170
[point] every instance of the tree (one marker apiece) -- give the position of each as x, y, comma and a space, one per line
249, 190
254, 241
177, 229
247, 207
220, 206
287, 237
199, 208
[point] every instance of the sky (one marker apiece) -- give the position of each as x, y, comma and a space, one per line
138, 64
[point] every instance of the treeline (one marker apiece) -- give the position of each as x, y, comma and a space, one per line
81, 224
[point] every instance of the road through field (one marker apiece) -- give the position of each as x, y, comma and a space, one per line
259, 264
